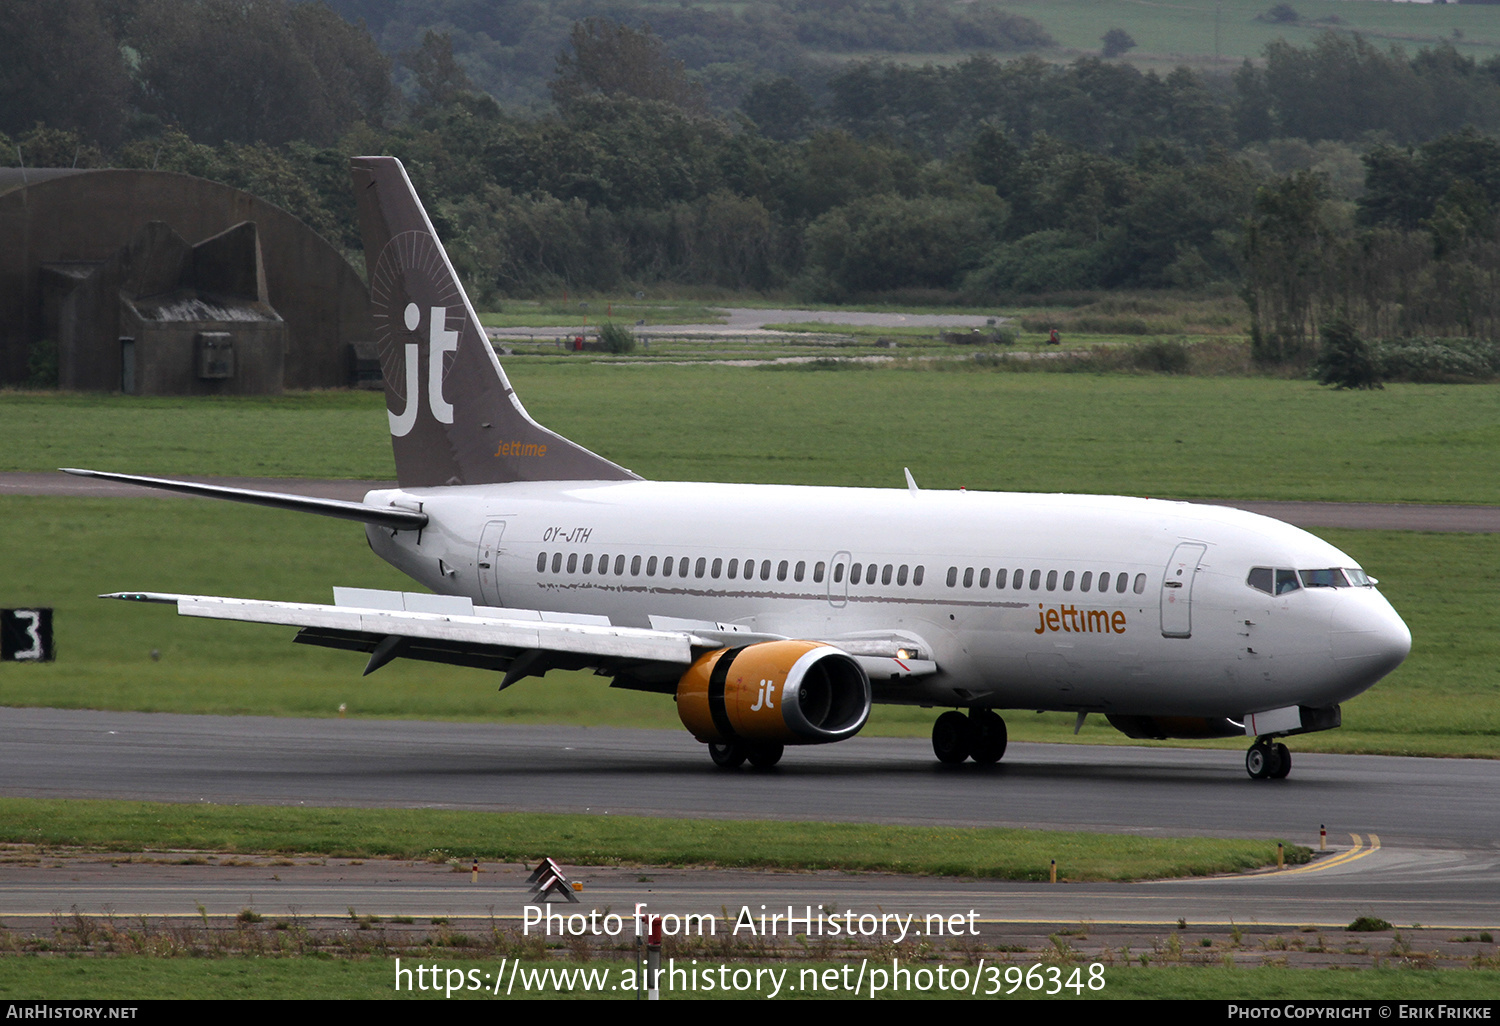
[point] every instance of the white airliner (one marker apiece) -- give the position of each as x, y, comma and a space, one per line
776, 615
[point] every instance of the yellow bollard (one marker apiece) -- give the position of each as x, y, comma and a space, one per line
1054, 871
1280, 856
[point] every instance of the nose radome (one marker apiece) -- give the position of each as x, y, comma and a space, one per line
1367, 636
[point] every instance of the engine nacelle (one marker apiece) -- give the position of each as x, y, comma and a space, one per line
781, 692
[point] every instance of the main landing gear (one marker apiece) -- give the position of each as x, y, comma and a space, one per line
979, 736
1268, 760
732, 754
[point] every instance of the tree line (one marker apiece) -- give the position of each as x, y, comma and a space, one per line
980, 180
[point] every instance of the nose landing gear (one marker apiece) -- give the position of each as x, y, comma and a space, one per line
1268, 760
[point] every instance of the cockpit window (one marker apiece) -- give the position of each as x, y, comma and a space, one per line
1358, 577
1330, 578
1261, 578
1286, 580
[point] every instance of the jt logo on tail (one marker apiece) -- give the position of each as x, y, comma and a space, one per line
439, 341
470, 429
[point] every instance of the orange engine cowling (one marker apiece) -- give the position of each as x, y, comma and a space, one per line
782, 692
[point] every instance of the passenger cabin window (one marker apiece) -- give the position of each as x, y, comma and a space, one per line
801, 570
952, 576
572, 562
838, 573
557, 562
1051, 580
818, 572
1068, 581
541, 562
1140, 583
1036, 580
916, 575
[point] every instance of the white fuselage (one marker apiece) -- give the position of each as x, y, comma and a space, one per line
1185, 635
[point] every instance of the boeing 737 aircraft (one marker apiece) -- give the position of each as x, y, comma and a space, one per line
776, 615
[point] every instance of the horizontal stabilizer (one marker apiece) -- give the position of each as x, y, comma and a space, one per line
385, 516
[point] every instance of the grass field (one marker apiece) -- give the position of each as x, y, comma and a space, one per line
1173, 33
631, 840
953, 425
259, 978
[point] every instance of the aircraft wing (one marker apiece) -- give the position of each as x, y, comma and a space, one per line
518, 642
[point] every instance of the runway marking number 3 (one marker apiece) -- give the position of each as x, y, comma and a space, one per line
26, 635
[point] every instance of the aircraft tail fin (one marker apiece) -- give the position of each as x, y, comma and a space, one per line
454, 418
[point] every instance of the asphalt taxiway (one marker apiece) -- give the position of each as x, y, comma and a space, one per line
1414, 840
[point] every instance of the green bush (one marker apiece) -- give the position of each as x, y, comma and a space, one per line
1345, 360
616, 339
1438, 359
1165, 356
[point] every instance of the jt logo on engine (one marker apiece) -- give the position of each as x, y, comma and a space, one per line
26, 635
439, 341
765, 697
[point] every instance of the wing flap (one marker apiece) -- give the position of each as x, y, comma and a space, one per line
602, 643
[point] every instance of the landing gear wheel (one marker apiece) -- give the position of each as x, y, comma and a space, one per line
1255, 761
989, 736
952, 738
763, 757
1284, 764
1268, 760
727, 754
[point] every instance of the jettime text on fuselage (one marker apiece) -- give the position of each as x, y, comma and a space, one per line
1072, 620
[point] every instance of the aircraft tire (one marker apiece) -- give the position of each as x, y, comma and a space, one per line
1283, 762
952, 738
989, 736
728, 754
763, 757
1257, 761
